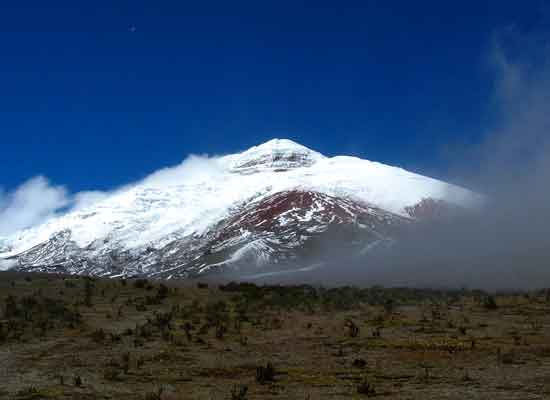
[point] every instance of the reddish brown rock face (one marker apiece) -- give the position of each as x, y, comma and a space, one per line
289, 210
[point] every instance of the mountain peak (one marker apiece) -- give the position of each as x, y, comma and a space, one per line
276, 155
281, 144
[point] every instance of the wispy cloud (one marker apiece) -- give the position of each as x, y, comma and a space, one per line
32, 202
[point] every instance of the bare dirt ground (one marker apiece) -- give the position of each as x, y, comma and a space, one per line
80, 338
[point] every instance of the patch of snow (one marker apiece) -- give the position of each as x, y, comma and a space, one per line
7, 264
283, 272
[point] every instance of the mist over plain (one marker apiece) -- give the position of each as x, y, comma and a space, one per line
504, 243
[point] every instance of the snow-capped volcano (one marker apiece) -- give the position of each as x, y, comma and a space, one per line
263, 206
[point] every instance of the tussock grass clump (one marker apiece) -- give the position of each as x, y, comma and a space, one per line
265, 374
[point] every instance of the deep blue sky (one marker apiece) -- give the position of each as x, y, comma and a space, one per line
94, 96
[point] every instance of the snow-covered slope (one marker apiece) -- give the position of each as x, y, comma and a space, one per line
137, 229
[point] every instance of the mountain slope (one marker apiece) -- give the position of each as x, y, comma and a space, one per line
265, 206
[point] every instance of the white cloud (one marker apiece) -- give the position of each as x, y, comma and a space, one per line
31, 203
86, 199
192, 169
36, 200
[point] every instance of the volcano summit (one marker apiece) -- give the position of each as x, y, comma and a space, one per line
268, 208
